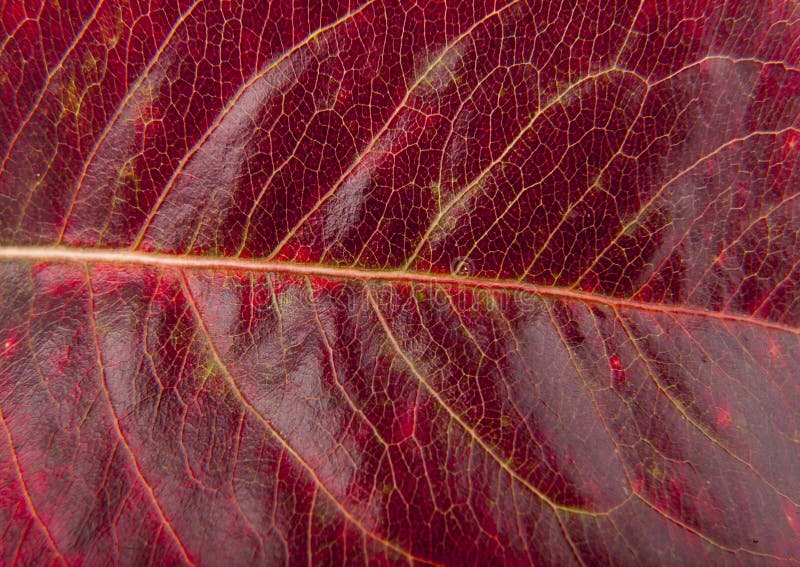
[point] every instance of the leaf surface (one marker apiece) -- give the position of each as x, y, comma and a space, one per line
391, 283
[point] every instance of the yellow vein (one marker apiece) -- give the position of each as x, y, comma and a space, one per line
359, 159
26, 494
685, 411
240, 396
704, 537
157, 260
118, 429
512, 145
118, 112
576, 365
227, 109
46, 88
554, 506
332, 361
658, 193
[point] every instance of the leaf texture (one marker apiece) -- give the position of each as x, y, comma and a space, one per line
386, 283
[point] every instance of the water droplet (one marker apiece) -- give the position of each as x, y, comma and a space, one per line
462, 266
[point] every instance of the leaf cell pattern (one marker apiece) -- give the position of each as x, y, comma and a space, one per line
390, 282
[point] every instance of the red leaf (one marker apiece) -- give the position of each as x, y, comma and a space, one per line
444, 282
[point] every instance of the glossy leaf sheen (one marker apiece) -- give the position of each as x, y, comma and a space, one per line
395, 282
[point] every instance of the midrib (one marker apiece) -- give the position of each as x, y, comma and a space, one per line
126, 257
